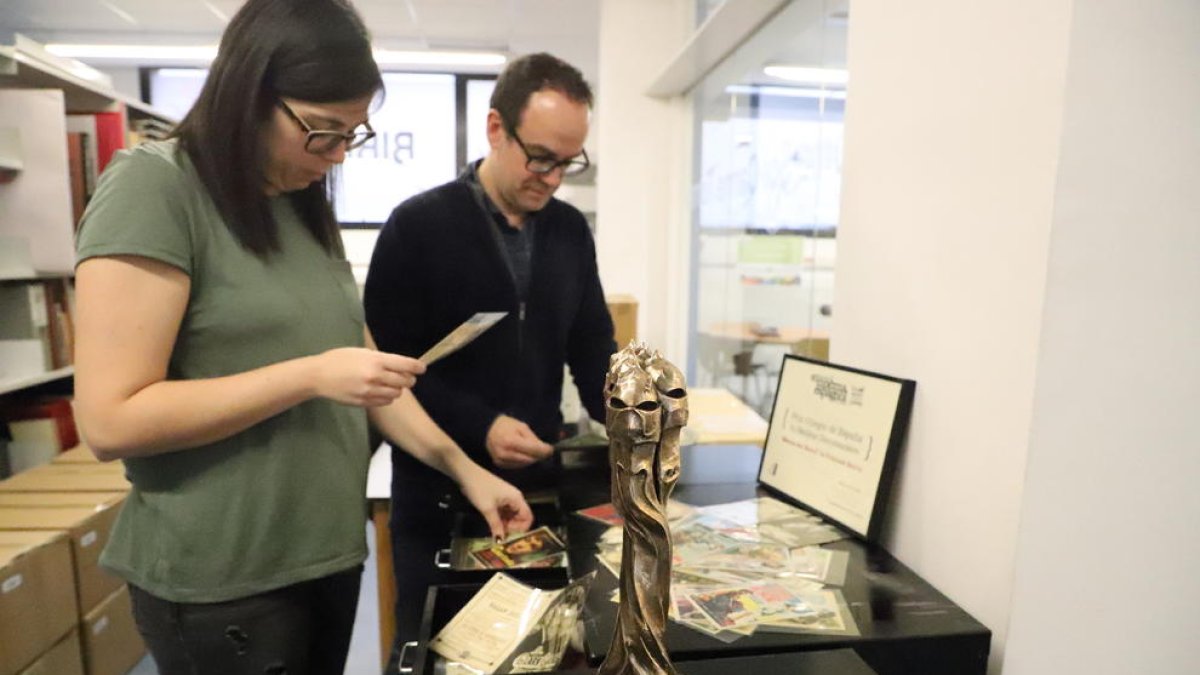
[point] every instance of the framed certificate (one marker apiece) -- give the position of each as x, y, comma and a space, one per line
833, 441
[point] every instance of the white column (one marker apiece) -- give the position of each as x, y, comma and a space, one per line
953, 122
1107, 579
1019, 236
643, 152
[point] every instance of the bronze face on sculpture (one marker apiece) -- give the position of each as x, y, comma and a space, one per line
633, 408
646, 411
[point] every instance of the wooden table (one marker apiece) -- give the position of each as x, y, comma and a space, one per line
717, 418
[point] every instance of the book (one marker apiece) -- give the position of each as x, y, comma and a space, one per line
85, 125
77, 170
60, 322
110, 136
25, 321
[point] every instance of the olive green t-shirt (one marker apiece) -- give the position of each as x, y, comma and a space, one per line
283, 501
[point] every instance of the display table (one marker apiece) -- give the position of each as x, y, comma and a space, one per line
906, 625
718, 419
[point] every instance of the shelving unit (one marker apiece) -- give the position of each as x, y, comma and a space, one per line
35, 206
27, 65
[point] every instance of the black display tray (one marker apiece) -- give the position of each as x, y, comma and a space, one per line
469, 524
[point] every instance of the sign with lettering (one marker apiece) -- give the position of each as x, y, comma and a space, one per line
834, 438
414, 149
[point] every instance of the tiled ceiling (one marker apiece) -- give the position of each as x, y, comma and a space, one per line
565, 27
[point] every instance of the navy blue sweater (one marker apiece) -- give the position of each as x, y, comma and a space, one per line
437, 262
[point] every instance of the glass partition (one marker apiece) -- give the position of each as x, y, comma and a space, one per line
765, 208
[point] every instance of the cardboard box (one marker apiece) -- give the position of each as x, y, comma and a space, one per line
64, 658
80, 454
111, 642
37, 596
623, 309
98, 477
89, 528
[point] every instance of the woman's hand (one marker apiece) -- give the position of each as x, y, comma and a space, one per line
500, 504
364, 377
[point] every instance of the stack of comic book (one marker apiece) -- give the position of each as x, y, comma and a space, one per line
753, 565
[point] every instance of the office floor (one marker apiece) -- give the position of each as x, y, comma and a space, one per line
364, 644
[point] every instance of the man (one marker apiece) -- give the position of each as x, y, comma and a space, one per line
495, 239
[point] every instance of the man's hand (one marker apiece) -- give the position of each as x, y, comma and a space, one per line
500, 504
513, 445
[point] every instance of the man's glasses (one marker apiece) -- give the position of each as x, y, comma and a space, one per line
321, 141
544, 164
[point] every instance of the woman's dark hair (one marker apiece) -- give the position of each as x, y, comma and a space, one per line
311, 50
530, 74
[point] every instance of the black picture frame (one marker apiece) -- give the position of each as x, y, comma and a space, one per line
807, 434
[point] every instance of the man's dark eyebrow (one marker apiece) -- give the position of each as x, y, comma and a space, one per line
543, 151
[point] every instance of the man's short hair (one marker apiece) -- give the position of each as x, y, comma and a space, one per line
530, 74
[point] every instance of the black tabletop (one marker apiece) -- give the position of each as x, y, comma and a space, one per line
892, 606
832, 662
905, 624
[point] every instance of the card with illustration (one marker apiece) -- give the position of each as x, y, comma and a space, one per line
604, 513
800, 531
829, 615
727, 607
763, 559
745, 605
607, 513
537, 548
462, 336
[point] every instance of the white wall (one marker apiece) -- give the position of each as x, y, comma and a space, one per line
1107, 564
1001, 206
643, 156
952, 132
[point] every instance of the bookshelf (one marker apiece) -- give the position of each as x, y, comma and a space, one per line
39, 199
27, 65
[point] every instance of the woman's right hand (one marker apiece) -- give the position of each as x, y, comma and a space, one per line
364, 377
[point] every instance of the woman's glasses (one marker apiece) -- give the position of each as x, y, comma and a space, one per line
321, 141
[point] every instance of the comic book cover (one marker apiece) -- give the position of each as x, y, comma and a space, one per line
536, 548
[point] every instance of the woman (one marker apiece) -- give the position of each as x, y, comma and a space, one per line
222, 355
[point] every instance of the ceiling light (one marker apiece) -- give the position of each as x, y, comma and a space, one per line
808, 75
